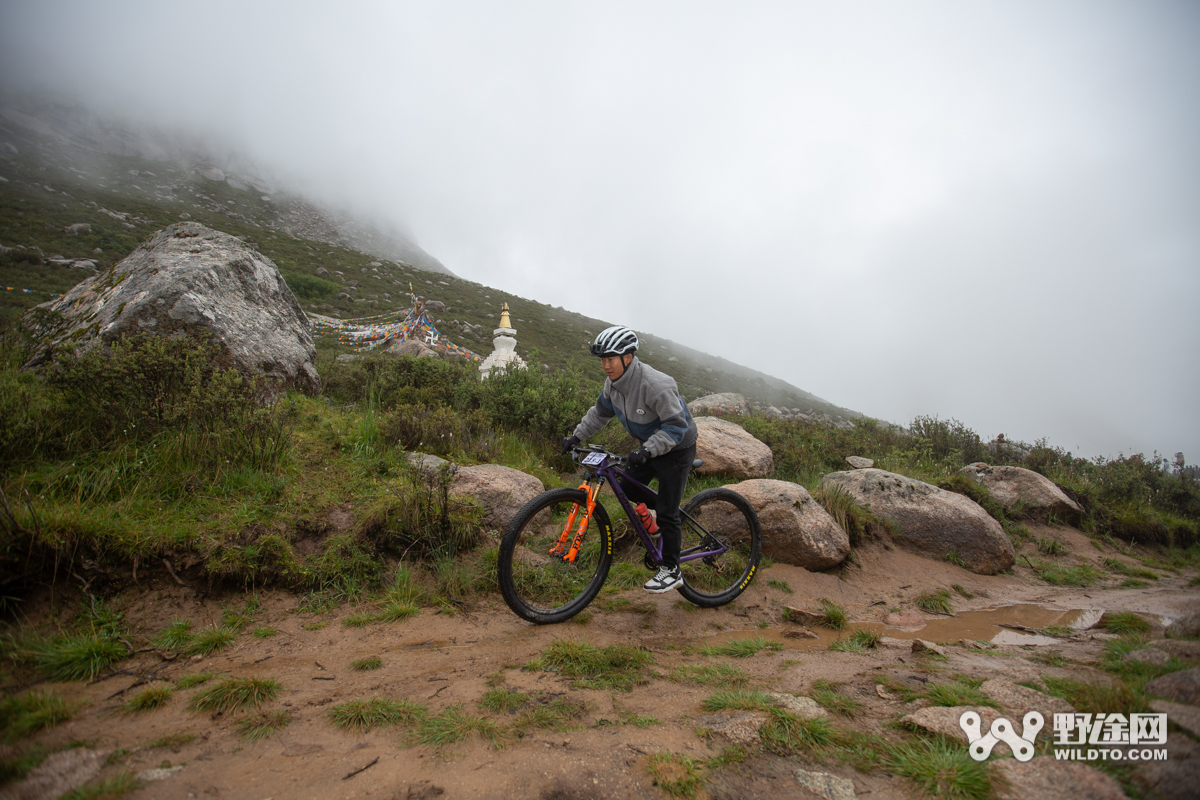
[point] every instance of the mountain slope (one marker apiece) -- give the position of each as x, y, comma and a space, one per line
59, 197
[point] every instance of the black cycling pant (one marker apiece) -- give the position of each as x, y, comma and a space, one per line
672, 470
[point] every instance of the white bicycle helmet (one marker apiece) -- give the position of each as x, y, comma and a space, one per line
615, 341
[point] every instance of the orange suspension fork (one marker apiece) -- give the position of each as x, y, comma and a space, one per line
589, 507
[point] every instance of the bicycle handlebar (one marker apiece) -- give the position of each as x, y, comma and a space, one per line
578, 451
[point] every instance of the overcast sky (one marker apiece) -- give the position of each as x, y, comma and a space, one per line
987, 211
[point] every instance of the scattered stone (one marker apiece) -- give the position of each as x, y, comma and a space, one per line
720, 405
944, 720
1173, 779
858, 462
803, 707
727, 449
1012, 486
740, 728
795, 528
1185, 628
185, 215
212, 173
435, 305
185, 279
884, 694
922, 646
502, 491
346, 358
1149, 655
158, 774
929, 520
426, 462
97, 251
906, 618
1185, 716
1180, 648
831, 787
801, 616
77, 228
60, 773
800, 633
1020, 700
1182, 686
1046, 778
322, 272
894, 644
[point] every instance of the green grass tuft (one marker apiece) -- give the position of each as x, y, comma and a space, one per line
147, 700
940, 768
738, 699
236, 694
1080, 575
782, 586
830, 697
1049, 546
614, 667
677, 775
558, 713
1121, 568
959, 691
859, 642
724, 676
834, 615
935, 602
502, 700
453, 725
264, 633
1123, 622
741, 648
210, 640
786, 733
363, 715
106, 789
366, 664
77, 658
195, 679
176, 636
260, 726
23, 715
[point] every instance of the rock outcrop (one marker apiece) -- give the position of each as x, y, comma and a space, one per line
185, 280
929, 520
720, 405
1047, 778
795, 528
502, 491
1036, 494
727, 449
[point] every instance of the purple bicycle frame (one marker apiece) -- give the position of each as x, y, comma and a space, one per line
611, 472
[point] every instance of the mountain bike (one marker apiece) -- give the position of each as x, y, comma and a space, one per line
556, 554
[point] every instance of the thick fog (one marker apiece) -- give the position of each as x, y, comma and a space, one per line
989, 211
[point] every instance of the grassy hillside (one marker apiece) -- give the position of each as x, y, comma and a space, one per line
50, 187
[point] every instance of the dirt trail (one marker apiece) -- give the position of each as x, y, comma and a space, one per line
443, 660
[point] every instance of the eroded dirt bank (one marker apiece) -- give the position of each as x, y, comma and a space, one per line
442, 660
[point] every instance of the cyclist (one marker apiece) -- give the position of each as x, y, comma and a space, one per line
648, 404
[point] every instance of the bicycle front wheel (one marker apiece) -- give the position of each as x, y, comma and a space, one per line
714, 519
540, 586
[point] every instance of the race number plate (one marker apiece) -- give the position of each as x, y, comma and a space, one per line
593, 459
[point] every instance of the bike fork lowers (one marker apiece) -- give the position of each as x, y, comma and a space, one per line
569, 556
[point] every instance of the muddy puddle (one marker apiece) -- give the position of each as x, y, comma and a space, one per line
1012, 625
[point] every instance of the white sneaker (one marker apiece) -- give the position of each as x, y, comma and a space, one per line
666, 579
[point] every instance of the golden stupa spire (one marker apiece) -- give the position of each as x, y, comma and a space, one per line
504, 321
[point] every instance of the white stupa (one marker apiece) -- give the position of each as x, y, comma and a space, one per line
504, 339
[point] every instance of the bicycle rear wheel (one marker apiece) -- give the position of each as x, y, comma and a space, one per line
712, 519
543, 588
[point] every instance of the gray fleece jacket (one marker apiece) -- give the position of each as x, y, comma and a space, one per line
649, 406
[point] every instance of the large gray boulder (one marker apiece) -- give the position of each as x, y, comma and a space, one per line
502, 491
185, 280
720, 405
929, 520
727, 449
1036, 494
795, 528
